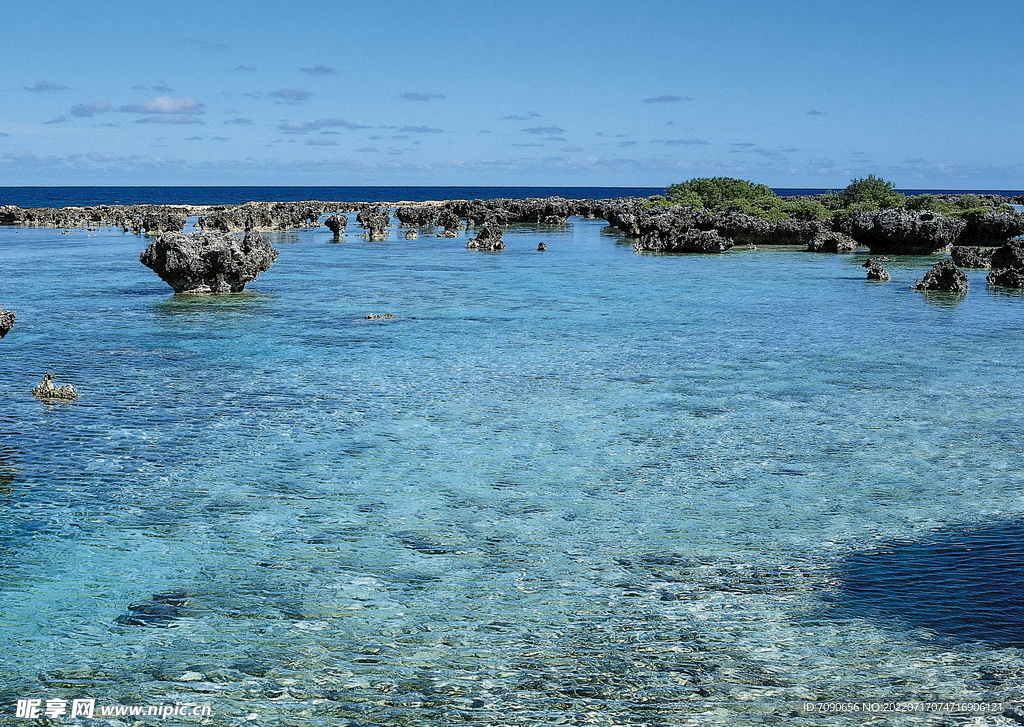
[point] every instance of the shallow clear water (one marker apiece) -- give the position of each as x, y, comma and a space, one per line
583, 486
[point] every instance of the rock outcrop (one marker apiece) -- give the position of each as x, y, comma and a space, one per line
337, 224
831, 241
7, 318
489, 238
208, 262
416, 216
412, 235
991, 228
1008, 266
876, 271
46, 391
375, 221
903, 231
682, 230
253, 216
972, 257
944, 276
451, 223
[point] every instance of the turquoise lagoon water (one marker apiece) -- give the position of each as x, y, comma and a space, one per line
584, 486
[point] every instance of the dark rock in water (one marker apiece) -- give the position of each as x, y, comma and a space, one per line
624, 214
903, 231
7, 318
743, 229
680, 230
162, 610
876, 271
489, 238
411, 235
375, 221
542, 247
208, 262
154, 223
46, 391
795, 232
253, 216
1008, 266
964, 584
972, 257
375, 316
416, 216
944, 276
337, 224
991, 228
830, 241
450, 222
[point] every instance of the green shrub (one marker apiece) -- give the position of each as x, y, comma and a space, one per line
831, 201
931, 203
714, 192
805, 209
871, 193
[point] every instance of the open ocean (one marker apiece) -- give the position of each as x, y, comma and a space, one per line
583, 486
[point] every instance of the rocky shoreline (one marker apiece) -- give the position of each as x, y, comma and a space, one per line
981, 240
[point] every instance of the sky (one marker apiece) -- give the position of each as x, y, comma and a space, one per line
788, 93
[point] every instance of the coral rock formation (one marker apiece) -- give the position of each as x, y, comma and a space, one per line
489, 238
944, 276
7, 318
902, 231
47, 391
208, 262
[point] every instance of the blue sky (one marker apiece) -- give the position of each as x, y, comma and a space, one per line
478, 92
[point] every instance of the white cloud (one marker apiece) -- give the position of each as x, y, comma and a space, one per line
165, 105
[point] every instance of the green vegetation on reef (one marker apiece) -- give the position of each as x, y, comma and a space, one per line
722, 194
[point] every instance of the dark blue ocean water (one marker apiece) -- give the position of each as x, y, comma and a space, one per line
86, 196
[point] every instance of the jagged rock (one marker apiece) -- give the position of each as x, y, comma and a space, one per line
412, 235
416, 216
991, 228
972, 257
1008, 266
796, 232
625, 215
450, 222
876, 271
375, 221
46, 391
944, 276
681, 229
7, 318
903, 231
489, 238
741, 228
253, 216
208, 262
337, 224
375, 316
832, 242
